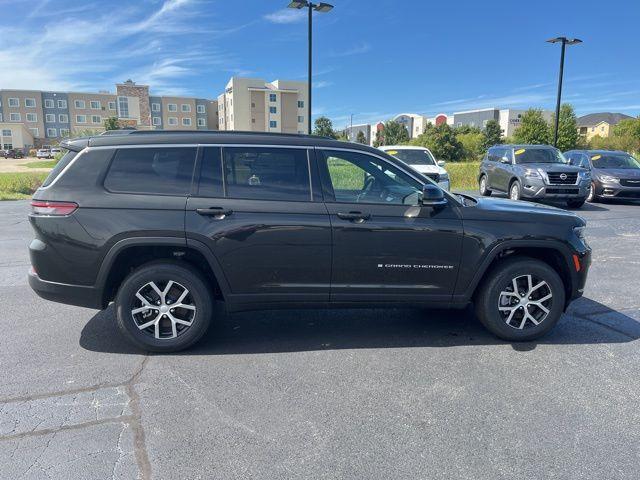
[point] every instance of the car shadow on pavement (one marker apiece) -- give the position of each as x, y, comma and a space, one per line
586, 322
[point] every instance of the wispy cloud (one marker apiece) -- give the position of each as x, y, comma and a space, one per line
82, 51
355, 50
322, 84
286, 15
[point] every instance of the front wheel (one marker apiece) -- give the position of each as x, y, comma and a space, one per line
520, 300
515, 191
592, 197
484, 190
164, 306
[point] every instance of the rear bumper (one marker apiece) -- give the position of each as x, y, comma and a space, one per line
79, 295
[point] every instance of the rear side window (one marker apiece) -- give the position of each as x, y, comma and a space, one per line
267, 173
211, 173
165, 171
61, 165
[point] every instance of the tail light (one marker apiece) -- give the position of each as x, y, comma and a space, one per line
41, 207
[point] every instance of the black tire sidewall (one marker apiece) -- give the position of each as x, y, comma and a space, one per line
158, 272
500, 277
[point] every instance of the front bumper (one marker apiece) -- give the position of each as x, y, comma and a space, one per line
616, 190
581, 264
79, 295
535, 188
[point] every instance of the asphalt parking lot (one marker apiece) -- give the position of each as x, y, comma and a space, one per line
326, 394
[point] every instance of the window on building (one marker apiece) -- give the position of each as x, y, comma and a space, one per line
172, 107
165, 170
253, 104
112, 105
52, 132
30, 102
155, 107
62, 104
50, 118
157, 121
202, 122
272, 97
300, 103
253, 120
81, 119
186, 122
185, 107
35, 132
123, 107
6, 133
7, 146
1, 117
273, 124
79, 104
15, 117
200, 109
300, 119
32, 117
14, 102
64, 132
172, 121
94, 105
48, 103
267, 173
63, 118
96, 119
273, 110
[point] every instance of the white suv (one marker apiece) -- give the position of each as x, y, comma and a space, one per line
44, 153
422, 160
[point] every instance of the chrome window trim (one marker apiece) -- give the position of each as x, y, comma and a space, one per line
64, 170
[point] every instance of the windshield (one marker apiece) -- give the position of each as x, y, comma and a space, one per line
539, 155
413, 157
614, 160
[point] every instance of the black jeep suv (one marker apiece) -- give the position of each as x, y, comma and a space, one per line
165, 224
535, 172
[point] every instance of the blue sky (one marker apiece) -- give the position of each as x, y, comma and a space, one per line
373, 58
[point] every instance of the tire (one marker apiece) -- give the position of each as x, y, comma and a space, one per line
576, 203
495, 288
592, 197
515, 190
169, 336
482, 185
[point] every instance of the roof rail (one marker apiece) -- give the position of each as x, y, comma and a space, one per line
216, 132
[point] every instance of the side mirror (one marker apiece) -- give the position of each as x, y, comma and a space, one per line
433, 196
441, 163
505, 160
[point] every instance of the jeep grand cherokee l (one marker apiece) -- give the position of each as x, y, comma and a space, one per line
533, 172
164, 224
614, 174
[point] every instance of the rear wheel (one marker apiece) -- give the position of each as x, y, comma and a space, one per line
484, 190
164, 307
521, 299
515, 191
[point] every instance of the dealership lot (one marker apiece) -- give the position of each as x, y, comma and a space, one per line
326, 394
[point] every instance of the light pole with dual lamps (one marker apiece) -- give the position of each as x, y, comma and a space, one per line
318, 7
564, 41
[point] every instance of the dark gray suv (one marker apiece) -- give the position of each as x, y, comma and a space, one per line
535, 172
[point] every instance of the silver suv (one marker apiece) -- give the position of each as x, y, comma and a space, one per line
533, 172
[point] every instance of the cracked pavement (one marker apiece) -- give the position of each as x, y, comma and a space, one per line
326, 394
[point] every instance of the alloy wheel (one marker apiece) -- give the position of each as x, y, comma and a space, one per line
163, 310
525, 302
514, 193
591, 193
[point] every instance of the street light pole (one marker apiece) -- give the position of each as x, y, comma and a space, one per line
564, 41
318, 7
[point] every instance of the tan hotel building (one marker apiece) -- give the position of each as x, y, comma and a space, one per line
252, 104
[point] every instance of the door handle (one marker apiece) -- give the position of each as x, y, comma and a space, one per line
218, 212
357, 217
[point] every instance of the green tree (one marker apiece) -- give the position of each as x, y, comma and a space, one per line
473, 145
492, 134
395, 133
111, 123
533, 128
464, 129
360, 137
379, 140
567, 129
324, 128
442, 142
